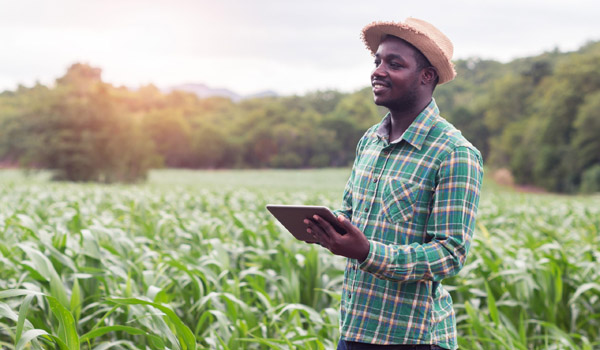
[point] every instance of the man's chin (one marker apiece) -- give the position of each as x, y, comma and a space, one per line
380, 101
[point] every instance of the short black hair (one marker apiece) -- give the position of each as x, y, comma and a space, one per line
422, 61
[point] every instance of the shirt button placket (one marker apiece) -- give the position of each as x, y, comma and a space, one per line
385, 152
354, 276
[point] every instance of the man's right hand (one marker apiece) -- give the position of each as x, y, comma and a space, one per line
354, 244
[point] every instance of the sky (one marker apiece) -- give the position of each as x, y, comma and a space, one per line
291, 47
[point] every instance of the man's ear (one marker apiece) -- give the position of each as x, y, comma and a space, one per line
429, 76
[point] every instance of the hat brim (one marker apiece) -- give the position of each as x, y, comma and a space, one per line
374, 33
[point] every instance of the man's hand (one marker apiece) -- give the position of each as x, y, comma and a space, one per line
354, 244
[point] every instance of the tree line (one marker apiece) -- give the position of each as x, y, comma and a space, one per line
537, 116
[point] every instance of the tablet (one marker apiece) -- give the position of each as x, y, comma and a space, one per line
292, 218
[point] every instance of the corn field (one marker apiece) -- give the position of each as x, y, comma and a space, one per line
192, 260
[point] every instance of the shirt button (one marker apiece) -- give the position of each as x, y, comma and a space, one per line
366, 210
375, 180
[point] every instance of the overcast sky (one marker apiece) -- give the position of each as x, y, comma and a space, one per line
253, 45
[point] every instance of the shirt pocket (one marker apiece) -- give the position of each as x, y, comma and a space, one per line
399, 198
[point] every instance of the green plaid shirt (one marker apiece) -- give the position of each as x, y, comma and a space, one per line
415, 199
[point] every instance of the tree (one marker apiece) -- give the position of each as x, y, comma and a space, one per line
538, 116
171, 134
77, 130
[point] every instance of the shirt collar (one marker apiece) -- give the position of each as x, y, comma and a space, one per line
417, 131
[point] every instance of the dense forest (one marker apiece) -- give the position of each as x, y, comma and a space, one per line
539, 117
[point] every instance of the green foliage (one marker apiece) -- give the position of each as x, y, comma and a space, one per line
535, 267
586, 131
87, 130
536, 116
193, 260
170, 132
539, 115
591, 180
77, 130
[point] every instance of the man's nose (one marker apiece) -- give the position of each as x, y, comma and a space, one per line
379, 71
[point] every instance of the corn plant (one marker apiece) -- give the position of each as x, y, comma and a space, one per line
198, 263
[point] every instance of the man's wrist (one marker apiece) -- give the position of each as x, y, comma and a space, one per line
364, 254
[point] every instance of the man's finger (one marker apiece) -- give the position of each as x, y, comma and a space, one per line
317, 232
346, 224
314, 227
326, 226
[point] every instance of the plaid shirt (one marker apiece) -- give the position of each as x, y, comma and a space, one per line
415, 199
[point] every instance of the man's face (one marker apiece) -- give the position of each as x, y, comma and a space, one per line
395, 78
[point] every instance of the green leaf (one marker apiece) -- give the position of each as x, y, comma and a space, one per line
23, 310
61, 344
558, 283
67, 329
582, 289
6, 311
89, 245
522, 327
40, 262
103, 330
11, 293
44, 266
76, 299
27, 222
29, 336
185, 335
492, 305
309, 312
474, 320
271, 343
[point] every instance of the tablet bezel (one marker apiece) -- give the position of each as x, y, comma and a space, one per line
292, 218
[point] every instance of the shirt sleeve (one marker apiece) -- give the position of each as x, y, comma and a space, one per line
451, 224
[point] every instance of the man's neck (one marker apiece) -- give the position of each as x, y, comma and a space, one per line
401, 120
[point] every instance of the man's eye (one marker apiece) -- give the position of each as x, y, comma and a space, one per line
395, 65
377, 62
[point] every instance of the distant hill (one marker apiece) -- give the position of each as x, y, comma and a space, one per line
261, 94
204, 91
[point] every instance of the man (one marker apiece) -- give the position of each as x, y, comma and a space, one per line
410, 203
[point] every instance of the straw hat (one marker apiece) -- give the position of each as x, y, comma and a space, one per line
425, 37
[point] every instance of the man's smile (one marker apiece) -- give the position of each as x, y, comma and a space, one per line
379, 85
